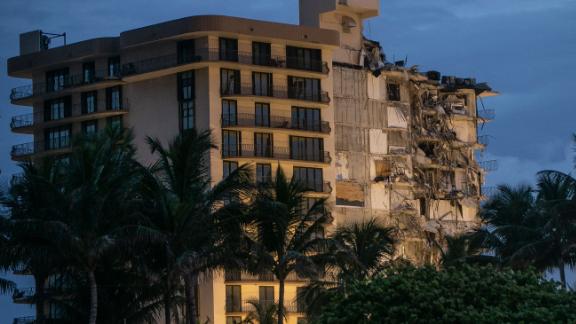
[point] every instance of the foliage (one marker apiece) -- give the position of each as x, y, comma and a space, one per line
465, 294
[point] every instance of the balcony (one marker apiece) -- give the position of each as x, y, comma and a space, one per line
278, 92
214, 55
26, 150
25, 123
246, 306
237, 275
276, 153
249, 120
69, 82
24, 295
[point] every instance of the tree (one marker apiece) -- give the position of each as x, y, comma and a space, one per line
466, 294
262, 314
192, 224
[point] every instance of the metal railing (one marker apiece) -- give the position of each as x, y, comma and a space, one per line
27, 149
28, 120
280, 92
245, 306
237, 275
23, 294
69, 81
215, 55
249, 120
25, 320
279, 153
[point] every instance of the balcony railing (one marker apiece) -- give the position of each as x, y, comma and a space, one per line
29, 120
249, 120
23, 294
27, 149
24, 320
277, 153
70, 81
245, 306
279, 92
215, 55
236, 275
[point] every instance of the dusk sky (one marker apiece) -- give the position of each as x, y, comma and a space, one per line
525, 49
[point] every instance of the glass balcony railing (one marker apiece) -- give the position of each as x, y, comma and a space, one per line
251, 120
276, 153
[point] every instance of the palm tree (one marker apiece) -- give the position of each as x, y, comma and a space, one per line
192, 223
284, 232
263, 313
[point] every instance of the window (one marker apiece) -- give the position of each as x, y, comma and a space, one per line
262, 115
88, 72
304, 88
266, 295
310, 178
229, 113
57, 137
229, 82
230, 143
263, 173
57, 80
306, 119
234, 320
57, 109
300, 305
261, 53
233, 299
115, 121
187, 52
307, 148
186, 96
393, 91
114, 66
229, 49
90, 127
229, 167
303, 58
89, 102
114, 98
262, 84
263, 144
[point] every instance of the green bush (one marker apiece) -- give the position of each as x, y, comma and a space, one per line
457, 295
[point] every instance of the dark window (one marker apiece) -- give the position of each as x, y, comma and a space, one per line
393, 92
114, 98
114, 66
186, 96
57, 109
262, 115
229, 82
263, 173
306, 118
262, 84
228, 168
187, 51
231, 142
261, 53
307, 148
303, 58
90, 127
234, 320
57, 137
57, 80
115, 121
233, 299
229, 113
266, 295
310, 178
304, 88
263, 144
88, 72
89, 102
229, 49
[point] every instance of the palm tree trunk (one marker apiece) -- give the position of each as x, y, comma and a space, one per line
281, 302
190, 281
561, 267
167, 309
40, 298
93, 298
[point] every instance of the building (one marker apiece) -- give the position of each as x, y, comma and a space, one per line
378, 139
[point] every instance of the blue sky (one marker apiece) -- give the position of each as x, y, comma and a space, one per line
526, 49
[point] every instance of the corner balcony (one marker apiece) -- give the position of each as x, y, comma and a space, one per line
25, 151
274, 122
25, 95
274, 153
27, 123
278, 92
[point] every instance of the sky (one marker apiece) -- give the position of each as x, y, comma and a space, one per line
525, 49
